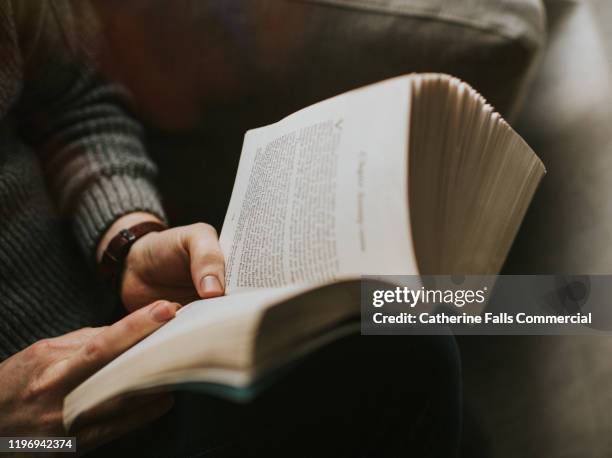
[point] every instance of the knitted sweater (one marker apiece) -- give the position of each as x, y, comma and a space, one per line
71, 162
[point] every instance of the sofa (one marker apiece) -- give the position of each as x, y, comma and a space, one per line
550, 396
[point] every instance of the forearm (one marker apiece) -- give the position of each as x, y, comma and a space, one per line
90, 147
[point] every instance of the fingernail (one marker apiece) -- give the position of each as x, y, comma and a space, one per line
164, 311
211, 286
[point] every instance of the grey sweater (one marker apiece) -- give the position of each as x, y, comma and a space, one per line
71, 162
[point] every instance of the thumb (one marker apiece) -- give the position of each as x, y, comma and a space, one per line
206, 260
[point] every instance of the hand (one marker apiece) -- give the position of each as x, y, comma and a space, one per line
36, 380
181, 264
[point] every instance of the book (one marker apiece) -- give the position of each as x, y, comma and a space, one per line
412, 175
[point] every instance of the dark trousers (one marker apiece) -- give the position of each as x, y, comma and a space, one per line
370, 396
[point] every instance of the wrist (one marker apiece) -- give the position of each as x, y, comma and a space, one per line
124, 222
113, 263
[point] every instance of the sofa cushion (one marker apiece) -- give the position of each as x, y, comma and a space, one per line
212, 70
337, 44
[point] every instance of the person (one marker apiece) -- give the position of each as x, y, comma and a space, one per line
76, 196
73, 174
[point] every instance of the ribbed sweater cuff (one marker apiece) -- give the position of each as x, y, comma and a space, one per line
107, 199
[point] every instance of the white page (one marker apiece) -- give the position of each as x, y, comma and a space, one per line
322, 194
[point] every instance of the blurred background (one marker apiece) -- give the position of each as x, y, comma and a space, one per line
203, 72
552, 396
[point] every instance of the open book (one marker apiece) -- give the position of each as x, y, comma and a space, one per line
413, 175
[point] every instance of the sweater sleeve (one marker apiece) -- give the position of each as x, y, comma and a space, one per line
91, 149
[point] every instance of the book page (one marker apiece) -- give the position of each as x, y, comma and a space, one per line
196, 337
322, 194
221, 341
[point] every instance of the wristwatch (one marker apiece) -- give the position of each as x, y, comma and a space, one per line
112, 263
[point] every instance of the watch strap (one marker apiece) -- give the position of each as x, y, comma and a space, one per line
113, 259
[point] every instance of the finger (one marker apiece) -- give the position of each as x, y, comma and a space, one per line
206, 259
66, 345
115, 339
80, 336
96, 435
